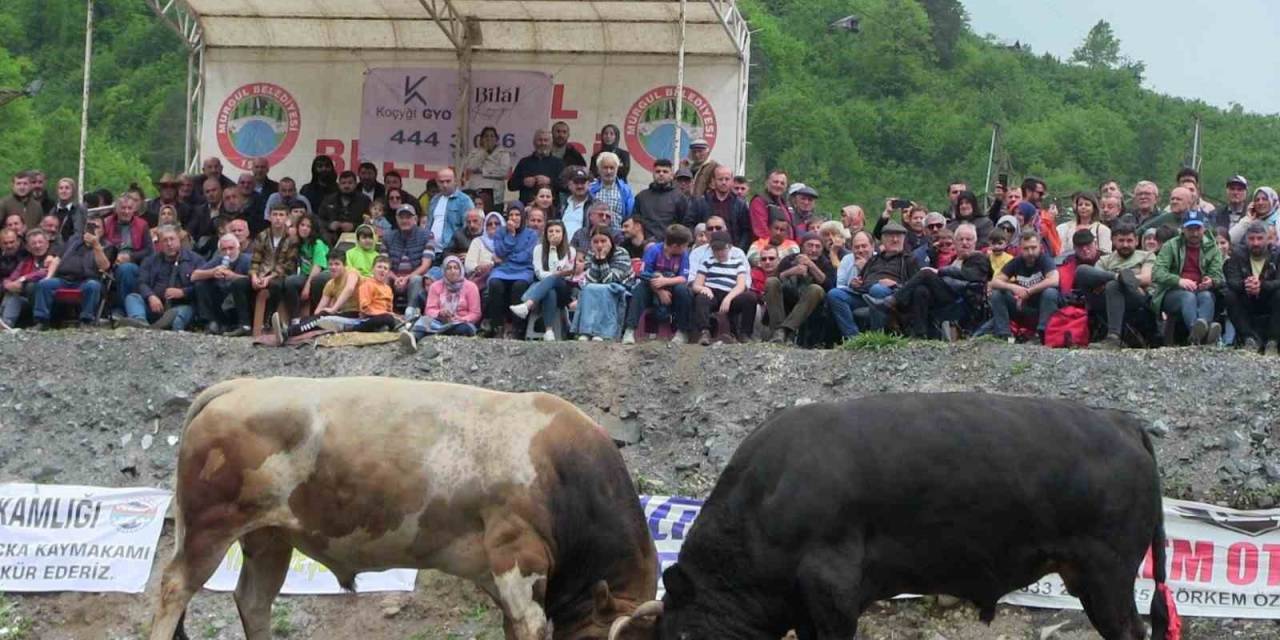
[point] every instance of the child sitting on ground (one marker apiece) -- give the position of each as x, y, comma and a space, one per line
349, 303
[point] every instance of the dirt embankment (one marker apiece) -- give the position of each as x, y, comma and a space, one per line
102, 408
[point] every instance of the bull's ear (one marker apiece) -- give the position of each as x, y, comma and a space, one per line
601, 599
677, 584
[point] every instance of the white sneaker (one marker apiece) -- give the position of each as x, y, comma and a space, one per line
408, 342
597, 339
629, 336
680, 338
549, 336
277, 328
583, 338
520, 310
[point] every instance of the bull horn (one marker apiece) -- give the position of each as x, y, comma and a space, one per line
650, 608
618, 625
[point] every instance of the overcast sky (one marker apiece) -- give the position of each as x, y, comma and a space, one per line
1220, 52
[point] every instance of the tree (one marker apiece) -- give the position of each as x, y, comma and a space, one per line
1100, 49
947, 22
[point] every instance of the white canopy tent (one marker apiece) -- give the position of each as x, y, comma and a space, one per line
469, 29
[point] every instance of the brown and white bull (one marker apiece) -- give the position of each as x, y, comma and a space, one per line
522, 494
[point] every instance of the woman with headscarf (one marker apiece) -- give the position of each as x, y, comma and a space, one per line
479, 261
453, 307
513, 271
605, 284
1088, 216
1265, 208
610, 140
324, 181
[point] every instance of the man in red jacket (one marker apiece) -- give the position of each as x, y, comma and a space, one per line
128, 239
775, 194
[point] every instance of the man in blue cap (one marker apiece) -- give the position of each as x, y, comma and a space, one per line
1187, 271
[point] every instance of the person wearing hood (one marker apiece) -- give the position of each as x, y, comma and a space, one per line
479, 260
1265, 208
967, 211
610, 140
513, 271
661, 205
324, 181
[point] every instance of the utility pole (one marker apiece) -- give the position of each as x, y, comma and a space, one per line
1195, 145
991, 158
84, 101
675, 153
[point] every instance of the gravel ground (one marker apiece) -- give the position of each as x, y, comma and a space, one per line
105, 407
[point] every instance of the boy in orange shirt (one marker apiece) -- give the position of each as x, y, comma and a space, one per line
375, 299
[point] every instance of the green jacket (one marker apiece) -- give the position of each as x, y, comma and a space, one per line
1168, 269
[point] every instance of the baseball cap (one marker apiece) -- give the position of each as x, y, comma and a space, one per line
578, 175
1240, 180
685, 173
719, 239
699, 142
893, 227
1193, 218
406, 210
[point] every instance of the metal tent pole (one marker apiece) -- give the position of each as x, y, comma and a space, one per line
991, 159
84, 100
675, 152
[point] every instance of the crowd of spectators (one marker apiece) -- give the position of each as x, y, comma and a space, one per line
581, 252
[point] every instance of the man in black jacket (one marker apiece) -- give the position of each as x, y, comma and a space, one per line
164, 293
343, 211
81, 267
536, 170
887, 270
932, 290
661, 205
720, 200
1253, 291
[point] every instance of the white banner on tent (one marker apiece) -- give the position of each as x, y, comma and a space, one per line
308, 577
74, 538
1223, 563
407, 113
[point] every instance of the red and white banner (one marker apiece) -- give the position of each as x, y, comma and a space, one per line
408, 113
1222, 563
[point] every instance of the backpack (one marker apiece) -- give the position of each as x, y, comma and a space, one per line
1067, 327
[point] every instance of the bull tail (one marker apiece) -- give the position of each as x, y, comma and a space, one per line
1165, 622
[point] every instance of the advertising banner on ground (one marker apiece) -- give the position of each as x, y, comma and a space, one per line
1223, 563
291, 105
408, 113
308, 577
73, 538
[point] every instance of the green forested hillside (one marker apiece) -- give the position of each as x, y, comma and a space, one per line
908, 103
900, 108
139, 74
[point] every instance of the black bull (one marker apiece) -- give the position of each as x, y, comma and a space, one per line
827, 508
